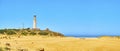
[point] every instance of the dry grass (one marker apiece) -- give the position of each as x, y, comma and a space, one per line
35, 43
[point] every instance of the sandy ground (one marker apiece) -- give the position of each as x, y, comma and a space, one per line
33, 43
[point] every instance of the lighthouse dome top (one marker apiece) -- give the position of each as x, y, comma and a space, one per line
34, 15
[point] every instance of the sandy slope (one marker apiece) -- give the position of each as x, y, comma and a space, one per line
32, 43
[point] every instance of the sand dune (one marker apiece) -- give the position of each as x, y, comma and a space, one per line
34, 43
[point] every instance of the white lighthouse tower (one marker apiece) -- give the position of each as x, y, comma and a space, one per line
34, 22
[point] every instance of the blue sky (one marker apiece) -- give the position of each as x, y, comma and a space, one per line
88, 17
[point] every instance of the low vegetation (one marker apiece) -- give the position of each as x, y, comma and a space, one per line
118, 37
28, 31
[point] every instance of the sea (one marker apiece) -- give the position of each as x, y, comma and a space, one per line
87, 36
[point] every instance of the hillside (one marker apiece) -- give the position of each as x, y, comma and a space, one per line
28, 31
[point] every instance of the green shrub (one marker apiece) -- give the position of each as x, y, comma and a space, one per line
43, 33
32, 33
24, 33
10, 32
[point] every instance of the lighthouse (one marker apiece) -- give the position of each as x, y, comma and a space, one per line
34, 22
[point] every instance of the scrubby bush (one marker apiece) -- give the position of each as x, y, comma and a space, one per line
10, 32
2, 31
43, 33
117, 37
24, 33
32, 33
